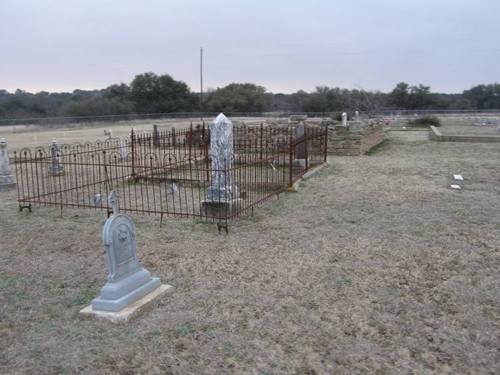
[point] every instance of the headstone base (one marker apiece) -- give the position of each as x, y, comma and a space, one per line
218, 209
130, 311
56, 172
299, 163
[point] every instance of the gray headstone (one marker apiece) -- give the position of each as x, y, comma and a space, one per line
6, 178
128, 281
123, 150
356, 117
300, 132
55, 168
156, 136
221, 187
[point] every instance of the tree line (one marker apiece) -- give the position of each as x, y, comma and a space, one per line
152, 93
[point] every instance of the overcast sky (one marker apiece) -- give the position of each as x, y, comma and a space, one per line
283, 45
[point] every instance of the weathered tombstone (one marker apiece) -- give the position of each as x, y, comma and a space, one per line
156, 136
222, 192
123, 150
174, 137
344, 119
129, 285
356, 117
6, 178
221, 187
300, 149
108, 133
55, 167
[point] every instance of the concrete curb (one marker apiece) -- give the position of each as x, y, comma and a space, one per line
436, 135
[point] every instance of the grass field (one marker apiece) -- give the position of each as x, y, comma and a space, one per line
31, 136
374, 266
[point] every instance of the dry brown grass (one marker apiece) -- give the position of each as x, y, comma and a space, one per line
374, 266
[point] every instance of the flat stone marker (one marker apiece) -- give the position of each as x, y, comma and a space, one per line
129, 286
6, 178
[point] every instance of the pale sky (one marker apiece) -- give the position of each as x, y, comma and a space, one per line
283, 45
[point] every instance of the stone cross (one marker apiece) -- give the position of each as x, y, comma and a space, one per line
128, 281
55, 168
6, 178
344, 119
221, 187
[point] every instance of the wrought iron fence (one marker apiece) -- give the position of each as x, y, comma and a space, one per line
168, 172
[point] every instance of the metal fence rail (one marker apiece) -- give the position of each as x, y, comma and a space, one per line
168, 173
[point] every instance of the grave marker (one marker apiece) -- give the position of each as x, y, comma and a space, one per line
344, 119
129, 285
221, 187
6, 178
55, 167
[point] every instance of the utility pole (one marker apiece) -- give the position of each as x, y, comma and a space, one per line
201, 83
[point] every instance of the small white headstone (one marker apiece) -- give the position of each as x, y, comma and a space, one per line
344, 119
458, 177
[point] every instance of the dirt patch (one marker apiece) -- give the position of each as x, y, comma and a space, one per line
374, 266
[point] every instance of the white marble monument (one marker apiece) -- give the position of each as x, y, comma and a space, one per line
6, 178
356, 117
221, 189
129, 285
344, 119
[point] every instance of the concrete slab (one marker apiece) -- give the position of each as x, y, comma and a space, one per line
128, 312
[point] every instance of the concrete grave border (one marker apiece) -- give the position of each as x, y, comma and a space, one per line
436, 135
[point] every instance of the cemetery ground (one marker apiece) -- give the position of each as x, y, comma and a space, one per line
34, 135
374, 266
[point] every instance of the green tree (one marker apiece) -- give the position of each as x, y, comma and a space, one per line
484, 96
151, 93
400, 96
237, 97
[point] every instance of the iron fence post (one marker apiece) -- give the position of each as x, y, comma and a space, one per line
326, 144
132, 145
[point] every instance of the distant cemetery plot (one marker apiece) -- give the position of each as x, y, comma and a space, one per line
177, 172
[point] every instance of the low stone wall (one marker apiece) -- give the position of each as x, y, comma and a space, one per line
347, 142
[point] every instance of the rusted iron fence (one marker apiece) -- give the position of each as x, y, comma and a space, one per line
168, 172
